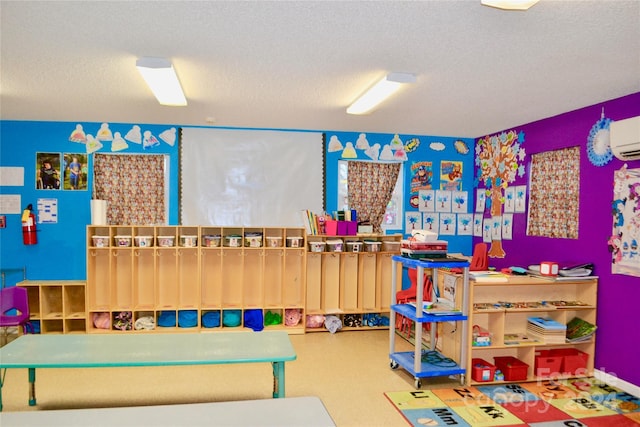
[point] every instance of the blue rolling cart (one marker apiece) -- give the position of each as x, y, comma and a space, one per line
429, 363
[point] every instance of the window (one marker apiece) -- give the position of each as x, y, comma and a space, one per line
393, 215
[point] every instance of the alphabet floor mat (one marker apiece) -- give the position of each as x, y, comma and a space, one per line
575, 403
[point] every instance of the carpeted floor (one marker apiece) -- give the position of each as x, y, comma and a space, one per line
574, 403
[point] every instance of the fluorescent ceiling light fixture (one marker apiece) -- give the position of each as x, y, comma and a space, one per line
161, 78
509, 4
380, 91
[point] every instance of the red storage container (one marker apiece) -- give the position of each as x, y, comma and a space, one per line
482, 371
573, 360
513, 369
547, 364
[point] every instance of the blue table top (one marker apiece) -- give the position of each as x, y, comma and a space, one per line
122, 349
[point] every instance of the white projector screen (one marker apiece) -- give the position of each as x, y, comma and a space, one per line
250, 178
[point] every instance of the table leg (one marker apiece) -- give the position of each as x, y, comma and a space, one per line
32, 386
1, 384
278, 379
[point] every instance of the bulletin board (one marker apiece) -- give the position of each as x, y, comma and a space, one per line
233, 177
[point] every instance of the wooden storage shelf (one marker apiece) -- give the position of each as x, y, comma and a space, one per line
57, 306
346, 282
202, 276
503, 308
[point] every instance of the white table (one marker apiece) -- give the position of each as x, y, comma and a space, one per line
288, 412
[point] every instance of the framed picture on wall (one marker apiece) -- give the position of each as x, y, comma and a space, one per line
75, 171
48, 171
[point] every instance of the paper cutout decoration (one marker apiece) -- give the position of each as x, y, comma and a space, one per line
104, 134
334, 144
437, 146
373, 152
349, 152
411, 145
118, 143
396, 143
169, 136
362, 143
93, 144
134, 135
400, 155
386, 154
78, 135
461, 146
598, 142
149, 141
477, 225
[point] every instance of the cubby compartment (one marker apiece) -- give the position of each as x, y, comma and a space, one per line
51, 302
210, 319
144, 321
50, 326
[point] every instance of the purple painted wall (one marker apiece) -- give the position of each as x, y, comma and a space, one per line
618, 337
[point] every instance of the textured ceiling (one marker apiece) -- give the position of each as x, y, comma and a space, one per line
299, 64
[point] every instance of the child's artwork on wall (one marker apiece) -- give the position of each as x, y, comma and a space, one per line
554, 194
507, 226
465, 224
426, 201
447, 224
521, 198
443, 201
486, 230
431, 222
412, 221
48, 171
496, 228
459, 201
75, 171
481, 199
623, 243
477, 225
510, 199
499, 160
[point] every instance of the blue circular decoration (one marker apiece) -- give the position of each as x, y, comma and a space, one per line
598, 146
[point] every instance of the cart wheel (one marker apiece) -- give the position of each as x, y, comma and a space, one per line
417, 383
462, 379
393, 364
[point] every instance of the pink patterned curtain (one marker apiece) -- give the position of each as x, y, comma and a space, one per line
370, 189
133, 186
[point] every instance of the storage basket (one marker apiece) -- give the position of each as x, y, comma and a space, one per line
573, 360
547, 364
482, 371
513, 369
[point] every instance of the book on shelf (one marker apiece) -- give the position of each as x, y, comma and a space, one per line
488, 276
547, 323
437, 308
518, 339
579, 330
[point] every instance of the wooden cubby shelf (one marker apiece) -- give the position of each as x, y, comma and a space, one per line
503, 308
353, 285
193, 278
56, 306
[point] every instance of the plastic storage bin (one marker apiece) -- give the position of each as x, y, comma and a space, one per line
482, 371
165, 241
547, 364
211, 240
122, 241
335, 245
143, 241
274, 241
317, 246
573, 360
100, 241
353, 246
513, 369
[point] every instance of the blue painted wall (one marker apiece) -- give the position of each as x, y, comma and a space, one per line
61, 249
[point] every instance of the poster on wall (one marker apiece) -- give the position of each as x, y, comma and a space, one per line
47, 171
75, 171
623, 243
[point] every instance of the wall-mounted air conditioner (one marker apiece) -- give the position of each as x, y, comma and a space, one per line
624, 137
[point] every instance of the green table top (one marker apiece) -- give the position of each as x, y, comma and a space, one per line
122, 349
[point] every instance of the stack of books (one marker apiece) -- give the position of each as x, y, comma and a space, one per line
579, 330
547, 330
